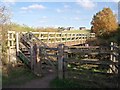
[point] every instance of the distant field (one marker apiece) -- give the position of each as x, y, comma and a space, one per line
77, 31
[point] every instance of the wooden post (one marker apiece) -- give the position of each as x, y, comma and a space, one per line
60, 60
48, 39
65, 73
81, 39
40, 35
17, 44
66, 38
8, 39
119, 68
111, 57
71, 37
61, 38
35, 58
31, 57
12, 42
38, 69
55, 39
75, 38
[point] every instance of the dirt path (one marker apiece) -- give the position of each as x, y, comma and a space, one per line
43, 82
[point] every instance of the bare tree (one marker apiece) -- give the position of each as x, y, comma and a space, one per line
4, 26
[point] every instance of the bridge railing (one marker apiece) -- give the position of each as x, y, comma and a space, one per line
52, 37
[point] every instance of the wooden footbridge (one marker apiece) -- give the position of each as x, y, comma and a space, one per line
51, 51
29, 46
53, 38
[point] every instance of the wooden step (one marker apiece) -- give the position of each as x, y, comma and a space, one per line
24, 49
26, 53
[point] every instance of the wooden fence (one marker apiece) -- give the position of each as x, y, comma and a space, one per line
108, 55
64, 56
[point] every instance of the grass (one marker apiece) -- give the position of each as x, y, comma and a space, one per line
77, 31
71, 83
17, 76
65, 83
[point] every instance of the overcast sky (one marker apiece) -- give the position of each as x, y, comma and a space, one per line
77, 13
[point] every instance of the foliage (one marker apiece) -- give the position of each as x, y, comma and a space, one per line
4, 21
104, 23
118, 35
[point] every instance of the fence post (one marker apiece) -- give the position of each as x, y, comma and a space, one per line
48, 39
60, 60
17, 44
113, 59
31, 57
37, 61
61, 37
111, 56
119, 69
65, 73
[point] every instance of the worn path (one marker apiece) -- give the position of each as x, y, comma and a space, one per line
43, 82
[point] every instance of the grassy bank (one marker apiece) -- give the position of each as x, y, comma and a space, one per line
77, 31
17, 76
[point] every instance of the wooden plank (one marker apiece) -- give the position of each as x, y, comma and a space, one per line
90, 47
92, 61
55, 49
81, 51
53, 55
24, 58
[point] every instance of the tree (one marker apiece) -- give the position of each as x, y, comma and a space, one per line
4, 26
104, 22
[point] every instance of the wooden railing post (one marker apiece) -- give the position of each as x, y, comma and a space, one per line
113, 59
35, 59
17, 44
31, 57
55, 38
48, 35
61, 38
111, 56
60, 60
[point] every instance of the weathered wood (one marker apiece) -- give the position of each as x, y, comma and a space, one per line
91, 61
17, 43
51, 48
52, 55
119, 69
68, 39
31, 57
43, 36
81, 51
48, 37
112, 58
65, 74
60, 60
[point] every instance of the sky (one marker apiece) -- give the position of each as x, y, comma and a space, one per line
77, 13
